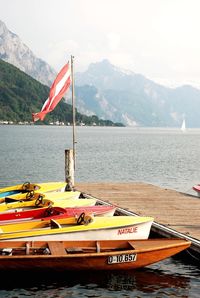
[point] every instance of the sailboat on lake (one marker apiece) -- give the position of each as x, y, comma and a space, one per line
183, 126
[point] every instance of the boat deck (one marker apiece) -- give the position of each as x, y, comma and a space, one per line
171, 209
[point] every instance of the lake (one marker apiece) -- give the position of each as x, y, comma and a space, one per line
165, 157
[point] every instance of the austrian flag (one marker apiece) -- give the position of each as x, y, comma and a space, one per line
57, 91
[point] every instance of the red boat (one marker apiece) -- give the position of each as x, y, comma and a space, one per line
55, 213
197, 189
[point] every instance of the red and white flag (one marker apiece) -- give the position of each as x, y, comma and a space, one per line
57, 91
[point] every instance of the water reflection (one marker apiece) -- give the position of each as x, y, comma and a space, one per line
169, 278
97, 284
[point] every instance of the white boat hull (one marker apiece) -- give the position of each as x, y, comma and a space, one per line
134, 232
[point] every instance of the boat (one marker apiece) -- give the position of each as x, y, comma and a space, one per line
53, 195
84, 227
41, 202
55, 212
183, 126
94, 255
197, 189
28, 187
38, 200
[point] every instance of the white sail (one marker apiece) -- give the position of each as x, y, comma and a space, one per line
183, 127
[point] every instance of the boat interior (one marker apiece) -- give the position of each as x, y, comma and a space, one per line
14, 248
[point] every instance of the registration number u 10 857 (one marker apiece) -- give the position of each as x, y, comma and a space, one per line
123, 258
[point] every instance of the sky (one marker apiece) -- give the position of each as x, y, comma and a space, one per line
159, 39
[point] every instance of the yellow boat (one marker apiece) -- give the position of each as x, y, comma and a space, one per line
85, 227
23, 189
50, 199
75, 203
48, 195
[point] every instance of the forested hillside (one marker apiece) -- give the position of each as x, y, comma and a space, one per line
21, 95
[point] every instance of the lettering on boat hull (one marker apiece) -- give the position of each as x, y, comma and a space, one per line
127, 230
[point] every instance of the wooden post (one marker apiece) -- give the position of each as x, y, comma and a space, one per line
69, 169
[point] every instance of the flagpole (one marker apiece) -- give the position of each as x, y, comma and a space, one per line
73, 112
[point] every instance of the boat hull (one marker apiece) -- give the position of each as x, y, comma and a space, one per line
51, 195
26, 205
197, 189
101, 228
20, 189
54, 213
86, 255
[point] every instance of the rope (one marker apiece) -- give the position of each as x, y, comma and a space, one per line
193, 256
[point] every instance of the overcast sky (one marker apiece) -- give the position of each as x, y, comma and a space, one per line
157, 38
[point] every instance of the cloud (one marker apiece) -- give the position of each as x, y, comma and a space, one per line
113, 41
157, 38
61, 51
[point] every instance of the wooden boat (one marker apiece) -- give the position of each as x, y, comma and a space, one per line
40, 202
51, 212
86, 255
30, 187
83, 227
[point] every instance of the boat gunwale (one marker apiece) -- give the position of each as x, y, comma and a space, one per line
186, 243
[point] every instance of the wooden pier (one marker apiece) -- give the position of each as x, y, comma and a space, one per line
175, 214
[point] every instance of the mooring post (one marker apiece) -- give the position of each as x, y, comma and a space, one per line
69, 169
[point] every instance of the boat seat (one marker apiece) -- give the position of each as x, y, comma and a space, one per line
54, 224
131, 244
74, 250
56, 248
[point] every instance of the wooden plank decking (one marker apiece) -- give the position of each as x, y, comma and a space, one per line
173, 209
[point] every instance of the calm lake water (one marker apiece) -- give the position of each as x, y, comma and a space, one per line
164, 157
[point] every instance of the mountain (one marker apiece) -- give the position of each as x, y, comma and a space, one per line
21, 95
14, 51
111, 92
132, 99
